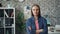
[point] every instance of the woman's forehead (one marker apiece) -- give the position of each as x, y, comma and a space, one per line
35, 7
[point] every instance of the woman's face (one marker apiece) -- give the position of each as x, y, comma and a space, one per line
35, 10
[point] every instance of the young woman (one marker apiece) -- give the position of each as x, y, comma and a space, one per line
36, 24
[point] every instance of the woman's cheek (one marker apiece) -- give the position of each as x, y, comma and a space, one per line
34, 13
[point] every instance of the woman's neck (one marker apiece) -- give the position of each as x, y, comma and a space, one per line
36, 17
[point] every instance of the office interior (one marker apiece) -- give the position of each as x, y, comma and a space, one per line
50, 9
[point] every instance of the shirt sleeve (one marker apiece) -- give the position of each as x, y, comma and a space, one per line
45, 28
28, 24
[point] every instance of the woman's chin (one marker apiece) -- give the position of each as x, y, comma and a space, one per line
35, 15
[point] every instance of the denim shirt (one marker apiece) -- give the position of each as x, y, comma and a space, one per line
42, 25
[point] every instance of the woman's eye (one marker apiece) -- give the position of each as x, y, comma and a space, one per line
37, 9
33, 9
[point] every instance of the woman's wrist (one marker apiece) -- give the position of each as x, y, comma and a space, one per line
41, 30
38, 31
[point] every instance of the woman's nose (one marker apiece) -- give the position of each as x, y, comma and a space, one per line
35, 10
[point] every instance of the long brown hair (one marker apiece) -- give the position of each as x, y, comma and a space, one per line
39, 10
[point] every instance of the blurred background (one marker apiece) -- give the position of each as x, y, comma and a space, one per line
50, 9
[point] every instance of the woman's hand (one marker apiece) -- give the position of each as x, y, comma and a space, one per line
38, 31
29, 28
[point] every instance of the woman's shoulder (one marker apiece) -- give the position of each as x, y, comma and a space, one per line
42, 18
29, 19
